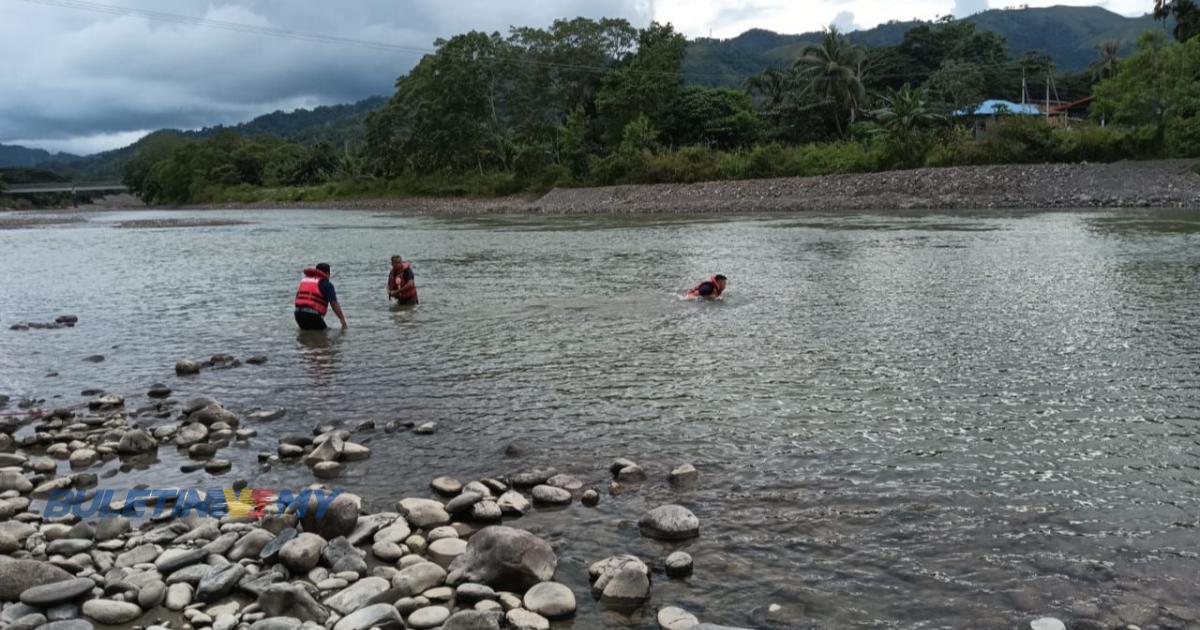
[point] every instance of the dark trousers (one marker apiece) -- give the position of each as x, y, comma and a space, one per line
310, 321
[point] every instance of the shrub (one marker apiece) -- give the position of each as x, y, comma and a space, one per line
1092, 144
1183, 137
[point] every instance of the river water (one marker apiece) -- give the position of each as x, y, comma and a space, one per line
900, 422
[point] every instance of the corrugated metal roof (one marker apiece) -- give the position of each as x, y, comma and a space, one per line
995, 107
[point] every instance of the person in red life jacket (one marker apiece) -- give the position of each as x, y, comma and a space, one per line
710, 289
401, 285
315, 297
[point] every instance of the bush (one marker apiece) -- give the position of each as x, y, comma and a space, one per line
1183, 137
835, 158
1092, 144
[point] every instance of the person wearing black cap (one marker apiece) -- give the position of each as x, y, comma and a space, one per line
315, 297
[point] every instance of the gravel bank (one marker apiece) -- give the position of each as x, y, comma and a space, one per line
1150, 184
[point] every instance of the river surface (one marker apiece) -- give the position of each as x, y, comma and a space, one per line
900, 422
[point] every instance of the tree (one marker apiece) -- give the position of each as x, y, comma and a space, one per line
715, 117
957, 85
832, 70
1108, 55
644, 83
903, 115
1157, 86
1186, 14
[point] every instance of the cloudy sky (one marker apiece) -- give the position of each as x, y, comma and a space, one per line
80, 77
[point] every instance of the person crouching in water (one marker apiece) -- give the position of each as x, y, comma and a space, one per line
710, 289
401, 285
315, 297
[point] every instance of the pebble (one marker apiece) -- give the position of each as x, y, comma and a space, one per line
521, 619
428, 428
550, 495
590, 498
684, 475
444, 550
672, 618
679, 564
550, 599
669, 522
429, 617
1047, 623
110, 611
447, 486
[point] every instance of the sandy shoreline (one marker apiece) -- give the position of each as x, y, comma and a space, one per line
1148, 184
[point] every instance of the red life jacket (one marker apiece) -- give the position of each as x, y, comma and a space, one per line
694, 292
398, 279
309, 293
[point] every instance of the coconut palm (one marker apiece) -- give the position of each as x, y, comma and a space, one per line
903, 115
771, 86
832, 70
1186, 14
1108, 54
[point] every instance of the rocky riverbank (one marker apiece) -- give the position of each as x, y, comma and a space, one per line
1149, 184
75, 554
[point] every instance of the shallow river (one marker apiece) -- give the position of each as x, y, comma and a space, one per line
899, 422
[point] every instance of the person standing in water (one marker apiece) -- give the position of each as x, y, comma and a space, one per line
401, 285
710, 289
315, 297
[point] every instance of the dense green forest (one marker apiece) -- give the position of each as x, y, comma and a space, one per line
587, 102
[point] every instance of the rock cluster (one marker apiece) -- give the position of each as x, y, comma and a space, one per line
429, 563
62, 321
221, 360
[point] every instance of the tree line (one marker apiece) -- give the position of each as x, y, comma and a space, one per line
589, 102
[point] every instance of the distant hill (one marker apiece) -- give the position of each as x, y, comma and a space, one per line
14, 155
1069, 35
333, 123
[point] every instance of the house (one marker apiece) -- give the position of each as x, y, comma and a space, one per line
989, 111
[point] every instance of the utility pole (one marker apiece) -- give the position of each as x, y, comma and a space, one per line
1024, 88
1047, 96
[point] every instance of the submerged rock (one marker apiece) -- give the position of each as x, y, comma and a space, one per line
184, 367
669, 522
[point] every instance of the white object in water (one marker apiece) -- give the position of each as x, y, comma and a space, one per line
1047, 623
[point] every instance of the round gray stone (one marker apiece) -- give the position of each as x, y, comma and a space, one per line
551, 600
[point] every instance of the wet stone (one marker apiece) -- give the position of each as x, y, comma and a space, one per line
679, 564
550, 495
551, 600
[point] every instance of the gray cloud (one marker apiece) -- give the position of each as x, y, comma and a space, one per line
963, 8
72, 74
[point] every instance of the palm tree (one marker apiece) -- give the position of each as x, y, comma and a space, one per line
1186, 13
1105, 65
771, 86
833, 71
902, 114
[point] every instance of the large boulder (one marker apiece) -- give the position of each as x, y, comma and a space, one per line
291, 600
357, 595
621, 581
382, 616
302, 553
423, 513
505, 558
17, 576
669, 522
338, 517
136, 441
418, 578
550, 600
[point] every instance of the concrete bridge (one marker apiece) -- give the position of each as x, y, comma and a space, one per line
14, 190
